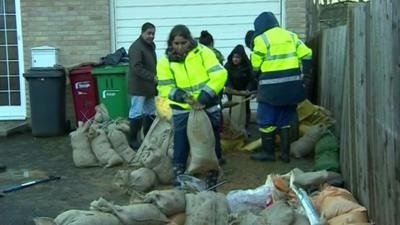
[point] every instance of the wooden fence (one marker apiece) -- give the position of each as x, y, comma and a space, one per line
360, 83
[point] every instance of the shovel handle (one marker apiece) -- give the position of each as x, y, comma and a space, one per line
30, 183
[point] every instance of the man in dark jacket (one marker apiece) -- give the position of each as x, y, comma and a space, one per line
142, 83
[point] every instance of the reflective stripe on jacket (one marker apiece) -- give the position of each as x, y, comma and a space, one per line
199, 71
278, 49
277, 54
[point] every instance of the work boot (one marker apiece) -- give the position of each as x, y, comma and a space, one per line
285, 144
147, 121
135, 125
178, 169
211, 180
267, 148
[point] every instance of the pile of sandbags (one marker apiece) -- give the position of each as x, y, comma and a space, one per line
153, 160
100, 141
275, 202
165, 207
154, 157
313, 122
310, 115
339, 207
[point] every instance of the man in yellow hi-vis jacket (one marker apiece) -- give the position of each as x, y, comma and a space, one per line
190, 75
276, 57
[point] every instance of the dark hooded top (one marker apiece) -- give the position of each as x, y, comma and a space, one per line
264, 22
239, 76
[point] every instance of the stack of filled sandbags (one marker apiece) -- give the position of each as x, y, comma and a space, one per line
101, 141
165, 207
339, 207
310, 115
152, 161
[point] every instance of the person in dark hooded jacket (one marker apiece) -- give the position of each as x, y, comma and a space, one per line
276, 57
240, 74
142, 83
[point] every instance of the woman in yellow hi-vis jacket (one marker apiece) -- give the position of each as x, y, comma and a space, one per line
276, 57
190, 70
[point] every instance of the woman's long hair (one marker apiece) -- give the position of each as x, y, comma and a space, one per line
179, 30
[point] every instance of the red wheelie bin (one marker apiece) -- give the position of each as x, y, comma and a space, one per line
84, 93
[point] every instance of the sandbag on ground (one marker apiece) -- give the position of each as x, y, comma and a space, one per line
82, 154
249, 219
206, 208
327, 153
159, 138
135, 214
80, 217
141, 180
279, 213
305, 145
170, 202
164, 171
103, 151
333, 201
120, 144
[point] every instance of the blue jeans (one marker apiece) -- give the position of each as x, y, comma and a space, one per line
141, 105
181, 142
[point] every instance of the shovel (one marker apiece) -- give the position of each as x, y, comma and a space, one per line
28, 184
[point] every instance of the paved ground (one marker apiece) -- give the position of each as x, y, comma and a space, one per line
29, 158
11, 126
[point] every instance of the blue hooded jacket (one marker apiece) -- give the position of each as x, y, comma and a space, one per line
287, 93
264, 22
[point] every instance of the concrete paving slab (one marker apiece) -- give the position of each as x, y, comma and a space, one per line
11, 126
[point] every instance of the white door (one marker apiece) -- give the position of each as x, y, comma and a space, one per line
12, 84
227, 20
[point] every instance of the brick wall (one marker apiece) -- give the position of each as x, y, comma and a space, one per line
80, 29
296, 17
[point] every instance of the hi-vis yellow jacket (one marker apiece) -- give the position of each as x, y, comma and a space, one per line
278, 49
277, 54
199, 71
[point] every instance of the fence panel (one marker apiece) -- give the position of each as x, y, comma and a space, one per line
362, 90
381, 117
333, 56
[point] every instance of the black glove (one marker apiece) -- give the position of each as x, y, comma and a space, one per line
179, 96
206, 99
307, 66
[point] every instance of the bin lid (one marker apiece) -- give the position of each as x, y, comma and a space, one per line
37, 72
108, 69
81, 70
